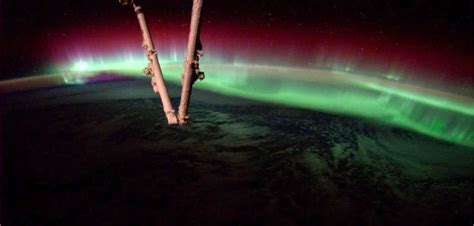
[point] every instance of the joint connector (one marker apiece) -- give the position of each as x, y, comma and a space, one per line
172, 118
183, 120
147, 71
201, 75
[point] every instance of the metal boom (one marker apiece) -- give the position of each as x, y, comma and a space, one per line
191, 63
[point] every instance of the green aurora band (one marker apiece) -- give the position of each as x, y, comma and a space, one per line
440, 114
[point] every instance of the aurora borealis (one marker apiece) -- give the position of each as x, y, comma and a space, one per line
311, 113
443, 115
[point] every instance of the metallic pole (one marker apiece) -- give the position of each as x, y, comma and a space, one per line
153, 69
191, 63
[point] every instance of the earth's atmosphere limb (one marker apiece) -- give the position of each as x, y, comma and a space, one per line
441, 114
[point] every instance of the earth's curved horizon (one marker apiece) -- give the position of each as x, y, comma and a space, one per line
440, 112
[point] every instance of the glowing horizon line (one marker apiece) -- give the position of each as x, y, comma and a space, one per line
443, 115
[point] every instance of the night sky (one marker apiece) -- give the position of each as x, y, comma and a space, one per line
428, 38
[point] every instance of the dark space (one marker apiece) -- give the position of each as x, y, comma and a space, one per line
32, 32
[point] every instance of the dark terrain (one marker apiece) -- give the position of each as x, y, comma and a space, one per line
102, 155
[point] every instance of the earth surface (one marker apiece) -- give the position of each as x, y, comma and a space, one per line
102, 154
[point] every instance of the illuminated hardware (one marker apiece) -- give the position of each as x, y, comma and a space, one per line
191, 63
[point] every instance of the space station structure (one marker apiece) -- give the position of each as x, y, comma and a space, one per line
191, 71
